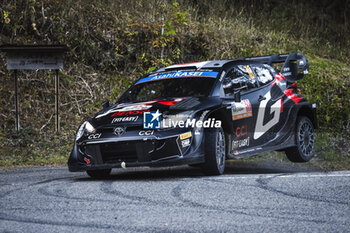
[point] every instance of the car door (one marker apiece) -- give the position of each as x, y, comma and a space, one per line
269, 114
241, 79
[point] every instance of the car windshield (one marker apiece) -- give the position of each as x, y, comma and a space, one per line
168, 88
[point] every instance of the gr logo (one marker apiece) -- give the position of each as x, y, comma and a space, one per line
260, 127
151, 120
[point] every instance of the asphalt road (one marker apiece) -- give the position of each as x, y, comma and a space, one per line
246, 198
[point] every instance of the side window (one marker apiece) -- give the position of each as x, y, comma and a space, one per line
240, 77
264, 73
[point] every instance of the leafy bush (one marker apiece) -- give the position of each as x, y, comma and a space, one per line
113, 43
328, 85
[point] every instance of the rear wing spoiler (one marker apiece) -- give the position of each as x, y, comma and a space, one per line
295, 66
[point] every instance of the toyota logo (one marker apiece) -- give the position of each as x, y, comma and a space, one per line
119, 131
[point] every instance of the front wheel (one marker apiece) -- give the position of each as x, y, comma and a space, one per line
215, 152
99, 174
305, 140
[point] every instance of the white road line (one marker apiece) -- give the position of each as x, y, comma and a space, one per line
232, 177
315, 175
276, 175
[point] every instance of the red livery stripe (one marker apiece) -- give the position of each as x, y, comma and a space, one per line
87, 160
281, 105
289, 93
278, 78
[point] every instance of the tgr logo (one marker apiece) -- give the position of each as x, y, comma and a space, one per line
152, 120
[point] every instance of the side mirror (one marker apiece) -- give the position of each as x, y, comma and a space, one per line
237, 96
105, 104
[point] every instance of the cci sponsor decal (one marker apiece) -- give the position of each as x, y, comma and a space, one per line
181, 74
146, 132
94, 136
241, 110
241, 131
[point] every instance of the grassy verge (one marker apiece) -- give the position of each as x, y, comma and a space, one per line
29, 147
329, 155
24, 150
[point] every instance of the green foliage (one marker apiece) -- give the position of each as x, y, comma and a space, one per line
175, 19
113, 43
328, 85
32, 147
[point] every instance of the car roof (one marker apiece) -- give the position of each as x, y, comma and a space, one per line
215, 65
219, 65
195, 65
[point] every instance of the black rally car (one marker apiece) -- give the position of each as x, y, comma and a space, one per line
244, 107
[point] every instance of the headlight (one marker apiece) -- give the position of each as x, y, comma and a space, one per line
86, 126
80, 131
89, 128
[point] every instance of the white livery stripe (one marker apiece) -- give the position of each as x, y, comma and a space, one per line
198, 65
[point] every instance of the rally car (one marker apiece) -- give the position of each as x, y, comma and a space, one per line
201, 114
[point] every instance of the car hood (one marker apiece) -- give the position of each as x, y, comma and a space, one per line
132, 113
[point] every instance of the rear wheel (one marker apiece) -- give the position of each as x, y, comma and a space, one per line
99, 174
305, 140
215, 152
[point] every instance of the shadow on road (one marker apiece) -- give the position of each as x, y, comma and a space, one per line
236, 167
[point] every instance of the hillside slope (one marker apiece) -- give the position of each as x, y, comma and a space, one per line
112, 43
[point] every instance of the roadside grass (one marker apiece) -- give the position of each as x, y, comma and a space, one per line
55, 150
329, 155
30, 147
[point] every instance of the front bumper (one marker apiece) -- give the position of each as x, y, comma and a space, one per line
152, 151
76, 166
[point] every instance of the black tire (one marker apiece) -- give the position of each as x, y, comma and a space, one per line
215, 152
305, 140
99, 174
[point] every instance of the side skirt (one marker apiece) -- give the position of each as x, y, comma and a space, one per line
243, 153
